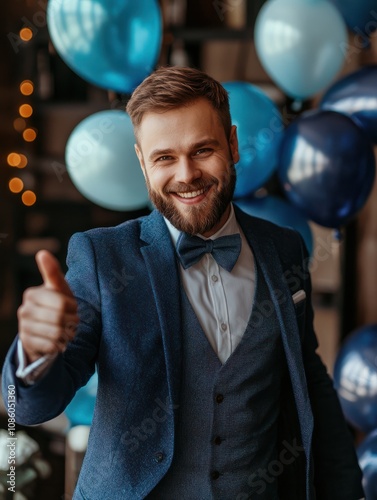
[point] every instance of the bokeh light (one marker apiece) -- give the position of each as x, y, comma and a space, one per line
29, 134
23, 161
25, 110
27, 87
26, 34
16, 185
19, 124
13, 159
28, 198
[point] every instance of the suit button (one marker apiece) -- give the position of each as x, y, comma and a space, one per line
217, 440
219, 398
159, 457
215, 474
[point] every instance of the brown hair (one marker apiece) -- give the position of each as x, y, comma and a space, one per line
172, 87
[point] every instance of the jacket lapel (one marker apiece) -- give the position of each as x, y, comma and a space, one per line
267, 257
160, 260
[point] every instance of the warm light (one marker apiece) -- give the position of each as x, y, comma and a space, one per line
23, 161
28, 198
27, 87
13, 159
29, 135
16, 185
26, 34
25, 110
19, 124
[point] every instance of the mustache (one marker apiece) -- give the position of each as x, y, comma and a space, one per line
197, 185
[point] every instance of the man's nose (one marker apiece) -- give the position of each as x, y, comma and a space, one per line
187, 171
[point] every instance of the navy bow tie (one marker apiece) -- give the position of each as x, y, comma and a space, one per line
225, 250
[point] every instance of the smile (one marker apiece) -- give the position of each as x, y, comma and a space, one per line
192, 194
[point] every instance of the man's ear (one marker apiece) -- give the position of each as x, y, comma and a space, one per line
233, 144
140, 158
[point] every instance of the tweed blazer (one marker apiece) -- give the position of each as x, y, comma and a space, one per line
126, 281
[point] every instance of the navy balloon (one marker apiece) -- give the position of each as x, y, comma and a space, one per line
114, 44
356, 96
260, 130
80, 409
367, 456
327, 167
279, 212
360, 15
355, 378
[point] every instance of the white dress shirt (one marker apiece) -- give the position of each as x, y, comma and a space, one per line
222, 301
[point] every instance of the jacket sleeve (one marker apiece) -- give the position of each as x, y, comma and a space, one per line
50, 394
337, 475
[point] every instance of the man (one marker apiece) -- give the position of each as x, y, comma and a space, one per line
209, 384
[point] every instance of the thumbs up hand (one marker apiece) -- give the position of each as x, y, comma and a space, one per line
48, 316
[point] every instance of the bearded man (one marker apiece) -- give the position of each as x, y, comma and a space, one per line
209, 382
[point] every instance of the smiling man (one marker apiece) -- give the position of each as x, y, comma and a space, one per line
209, 382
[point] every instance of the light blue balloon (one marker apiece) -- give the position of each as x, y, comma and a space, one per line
280, 212
259, 129
302, 44
114, 44
80, 410
102, 163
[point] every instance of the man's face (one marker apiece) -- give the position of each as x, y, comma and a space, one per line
188, 164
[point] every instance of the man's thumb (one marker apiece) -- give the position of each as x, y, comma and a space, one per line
51, 272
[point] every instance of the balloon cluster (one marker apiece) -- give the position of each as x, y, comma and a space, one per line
326, 163
113, 45
355, 378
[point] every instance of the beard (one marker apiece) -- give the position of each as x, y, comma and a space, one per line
196, 219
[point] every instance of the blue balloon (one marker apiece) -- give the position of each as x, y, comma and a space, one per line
279, 212
367, 456
114, 44
360, 15
355, 378
299, 44
327, 167
80, 410
356, 96
102, 163
260, 130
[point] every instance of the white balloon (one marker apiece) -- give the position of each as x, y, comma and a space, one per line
102, 163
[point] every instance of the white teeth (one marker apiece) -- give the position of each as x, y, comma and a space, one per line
192, 194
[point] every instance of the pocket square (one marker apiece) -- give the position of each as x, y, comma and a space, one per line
298, 296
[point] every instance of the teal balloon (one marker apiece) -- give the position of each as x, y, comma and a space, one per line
102, 163
280, 212
360, 15
260, 131
113, 44
302, 44
80, 410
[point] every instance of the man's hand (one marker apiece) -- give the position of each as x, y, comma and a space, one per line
48, 314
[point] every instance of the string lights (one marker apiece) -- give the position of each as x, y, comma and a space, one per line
29, 133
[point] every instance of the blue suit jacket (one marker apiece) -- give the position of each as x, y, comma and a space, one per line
127, 284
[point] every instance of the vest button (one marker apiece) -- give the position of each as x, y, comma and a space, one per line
215, 474
158, 457
219, 398
217, 440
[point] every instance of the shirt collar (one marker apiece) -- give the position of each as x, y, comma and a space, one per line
230, 227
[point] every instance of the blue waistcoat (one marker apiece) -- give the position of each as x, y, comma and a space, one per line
226, 435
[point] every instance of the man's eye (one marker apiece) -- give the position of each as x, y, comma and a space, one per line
203, 151
164, 158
